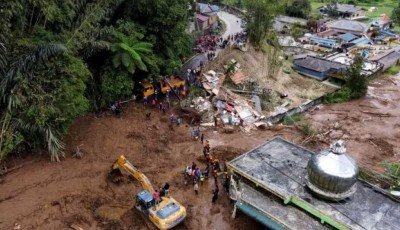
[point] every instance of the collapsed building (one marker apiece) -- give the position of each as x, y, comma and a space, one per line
285, 186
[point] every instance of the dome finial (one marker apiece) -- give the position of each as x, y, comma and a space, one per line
338, 147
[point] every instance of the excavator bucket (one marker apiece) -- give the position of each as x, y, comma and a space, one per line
115, 175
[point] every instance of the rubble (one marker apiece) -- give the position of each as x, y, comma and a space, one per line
200, 104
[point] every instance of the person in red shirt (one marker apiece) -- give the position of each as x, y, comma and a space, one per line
156, 196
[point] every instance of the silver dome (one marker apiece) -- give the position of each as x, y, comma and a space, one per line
332, 173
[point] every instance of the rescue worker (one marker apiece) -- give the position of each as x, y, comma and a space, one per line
166, 189
215, 194
196, 188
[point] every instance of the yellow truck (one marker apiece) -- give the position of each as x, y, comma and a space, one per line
165, 213
172, 81
166, 84
148, 89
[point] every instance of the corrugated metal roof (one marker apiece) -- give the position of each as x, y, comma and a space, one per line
291, 20
347, 37
349, 25
238, 77
344, 8
207, 8
318, 64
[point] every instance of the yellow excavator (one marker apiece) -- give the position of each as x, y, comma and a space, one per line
166, 213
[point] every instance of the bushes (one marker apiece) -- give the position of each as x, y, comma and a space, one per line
115, 85
291, 119
393, 70
340, 96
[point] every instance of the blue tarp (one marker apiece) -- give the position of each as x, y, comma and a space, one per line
361, 41
347, 37
380, 38
324, 41
387, 33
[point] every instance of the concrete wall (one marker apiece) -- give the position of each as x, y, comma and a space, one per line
302, 108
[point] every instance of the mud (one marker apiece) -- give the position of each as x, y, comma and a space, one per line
77, 192
46, 195
369, 126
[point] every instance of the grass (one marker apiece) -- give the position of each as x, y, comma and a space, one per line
393, 70
339, 96
383, 7
291, 119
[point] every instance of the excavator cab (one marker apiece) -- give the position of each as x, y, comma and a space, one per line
144, 201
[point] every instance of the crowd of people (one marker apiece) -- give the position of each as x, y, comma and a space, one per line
193, 175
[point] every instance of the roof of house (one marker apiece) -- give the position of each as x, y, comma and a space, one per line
208, 9
201, 17
387, 56
318, 64
291, 20
278, 168
349, 25
279, 26
345, 8
347, 37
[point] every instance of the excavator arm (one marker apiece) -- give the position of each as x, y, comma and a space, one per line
123, 164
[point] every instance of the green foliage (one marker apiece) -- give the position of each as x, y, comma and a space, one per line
59, 59
356, 81
396, 14
297, 31
166, 23
43, 93
130, 53
291, 119
195, 91
115, 85
332, 8
298, 8
339, 96
260, 15
307, 129
393, 70
392, 172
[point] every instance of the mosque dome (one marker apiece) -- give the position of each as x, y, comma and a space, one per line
332, 174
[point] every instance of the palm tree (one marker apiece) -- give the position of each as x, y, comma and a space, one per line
13, 98
130, 53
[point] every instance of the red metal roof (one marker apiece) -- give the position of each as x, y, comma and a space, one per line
238, 77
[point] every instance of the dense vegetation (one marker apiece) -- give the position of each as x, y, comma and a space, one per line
356, 84
60, 59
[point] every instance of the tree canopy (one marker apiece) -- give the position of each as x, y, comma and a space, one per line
60, 59
298, 8
356, 81
259, 16
396, 14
